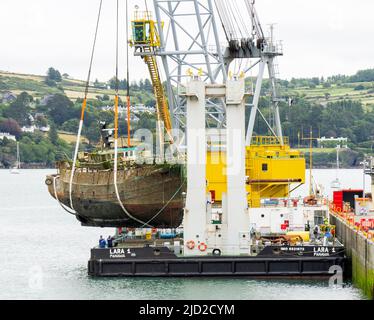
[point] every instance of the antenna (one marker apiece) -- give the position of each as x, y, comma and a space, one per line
310, 139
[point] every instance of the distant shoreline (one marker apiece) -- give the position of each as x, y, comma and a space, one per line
35, 167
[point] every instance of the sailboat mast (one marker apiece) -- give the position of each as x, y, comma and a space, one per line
18, 157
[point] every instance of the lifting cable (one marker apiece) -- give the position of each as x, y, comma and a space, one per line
116, 101
128, 78
116, 105
84, 105
166, 205
234, 18
227, 23
256, 25
144, 224
246, 33
58, 200
222, 18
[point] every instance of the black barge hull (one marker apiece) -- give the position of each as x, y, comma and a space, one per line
260, 266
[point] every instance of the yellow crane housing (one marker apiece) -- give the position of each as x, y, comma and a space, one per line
272, 170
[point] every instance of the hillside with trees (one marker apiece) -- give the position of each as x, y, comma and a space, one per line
42, 113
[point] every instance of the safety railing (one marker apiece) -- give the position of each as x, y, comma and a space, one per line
268, 141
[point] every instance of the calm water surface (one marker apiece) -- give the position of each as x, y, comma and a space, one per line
44, 254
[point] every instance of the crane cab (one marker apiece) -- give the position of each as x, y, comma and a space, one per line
144, 30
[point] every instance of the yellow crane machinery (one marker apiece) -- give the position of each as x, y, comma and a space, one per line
146, 37
272, 170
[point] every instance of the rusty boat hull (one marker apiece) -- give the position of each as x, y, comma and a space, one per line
152, 196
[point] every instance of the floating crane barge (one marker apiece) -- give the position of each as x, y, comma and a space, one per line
238, 218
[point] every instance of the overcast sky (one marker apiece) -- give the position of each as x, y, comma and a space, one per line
320, 37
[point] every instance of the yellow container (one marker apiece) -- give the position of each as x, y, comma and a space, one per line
305, 235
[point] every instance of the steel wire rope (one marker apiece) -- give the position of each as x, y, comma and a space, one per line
227, 22
58, 200
116, 101
221, 17
84, 105
232, 18
128, 77
240, 20
167, 204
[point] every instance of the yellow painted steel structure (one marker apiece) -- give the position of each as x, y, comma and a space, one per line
272, 170
146, 37
144, 30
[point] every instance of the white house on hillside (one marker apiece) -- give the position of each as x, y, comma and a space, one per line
7, 135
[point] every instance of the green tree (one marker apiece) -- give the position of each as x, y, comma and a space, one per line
19, 110
53, 74
359, 88
70, 125
53, 135
50, 83
61, 109
327, 85
147, 121
92, 133
148, 86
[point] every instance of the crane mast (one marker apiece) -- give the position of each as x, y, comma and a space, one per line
185, 36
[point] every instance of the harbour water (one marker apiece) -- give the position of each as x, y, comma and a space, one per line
44, 253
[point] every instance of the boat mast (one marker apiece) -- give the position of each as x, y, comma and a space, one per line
311, 162
310, 139
18, 157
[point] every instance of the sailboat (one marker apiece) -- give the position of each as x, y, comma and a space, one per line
16, 168
336, 183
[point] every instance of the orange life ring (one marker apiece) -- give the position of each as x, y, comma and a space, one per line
190, 244
203, 247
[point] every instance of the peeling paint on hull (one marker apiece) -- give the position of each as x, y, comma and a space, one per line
150, 193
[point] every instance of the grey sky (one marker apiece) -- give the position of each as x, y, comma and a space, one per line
320, 37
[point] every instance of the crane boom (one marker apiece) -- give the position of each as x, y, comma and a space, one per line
158, 89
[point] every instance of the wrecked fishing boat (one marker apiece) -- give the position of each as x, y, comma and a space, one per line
145, 195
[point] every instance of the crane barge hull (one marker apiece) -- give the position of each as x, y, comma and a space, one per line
271, 262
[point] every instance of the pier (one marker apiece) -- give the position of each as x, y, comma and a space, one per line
360, 252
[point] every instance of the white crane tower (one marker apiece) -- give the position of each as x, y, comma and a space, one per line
187, 40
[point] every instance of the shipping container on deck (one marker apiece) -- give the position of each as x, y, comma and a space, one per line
344, 196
